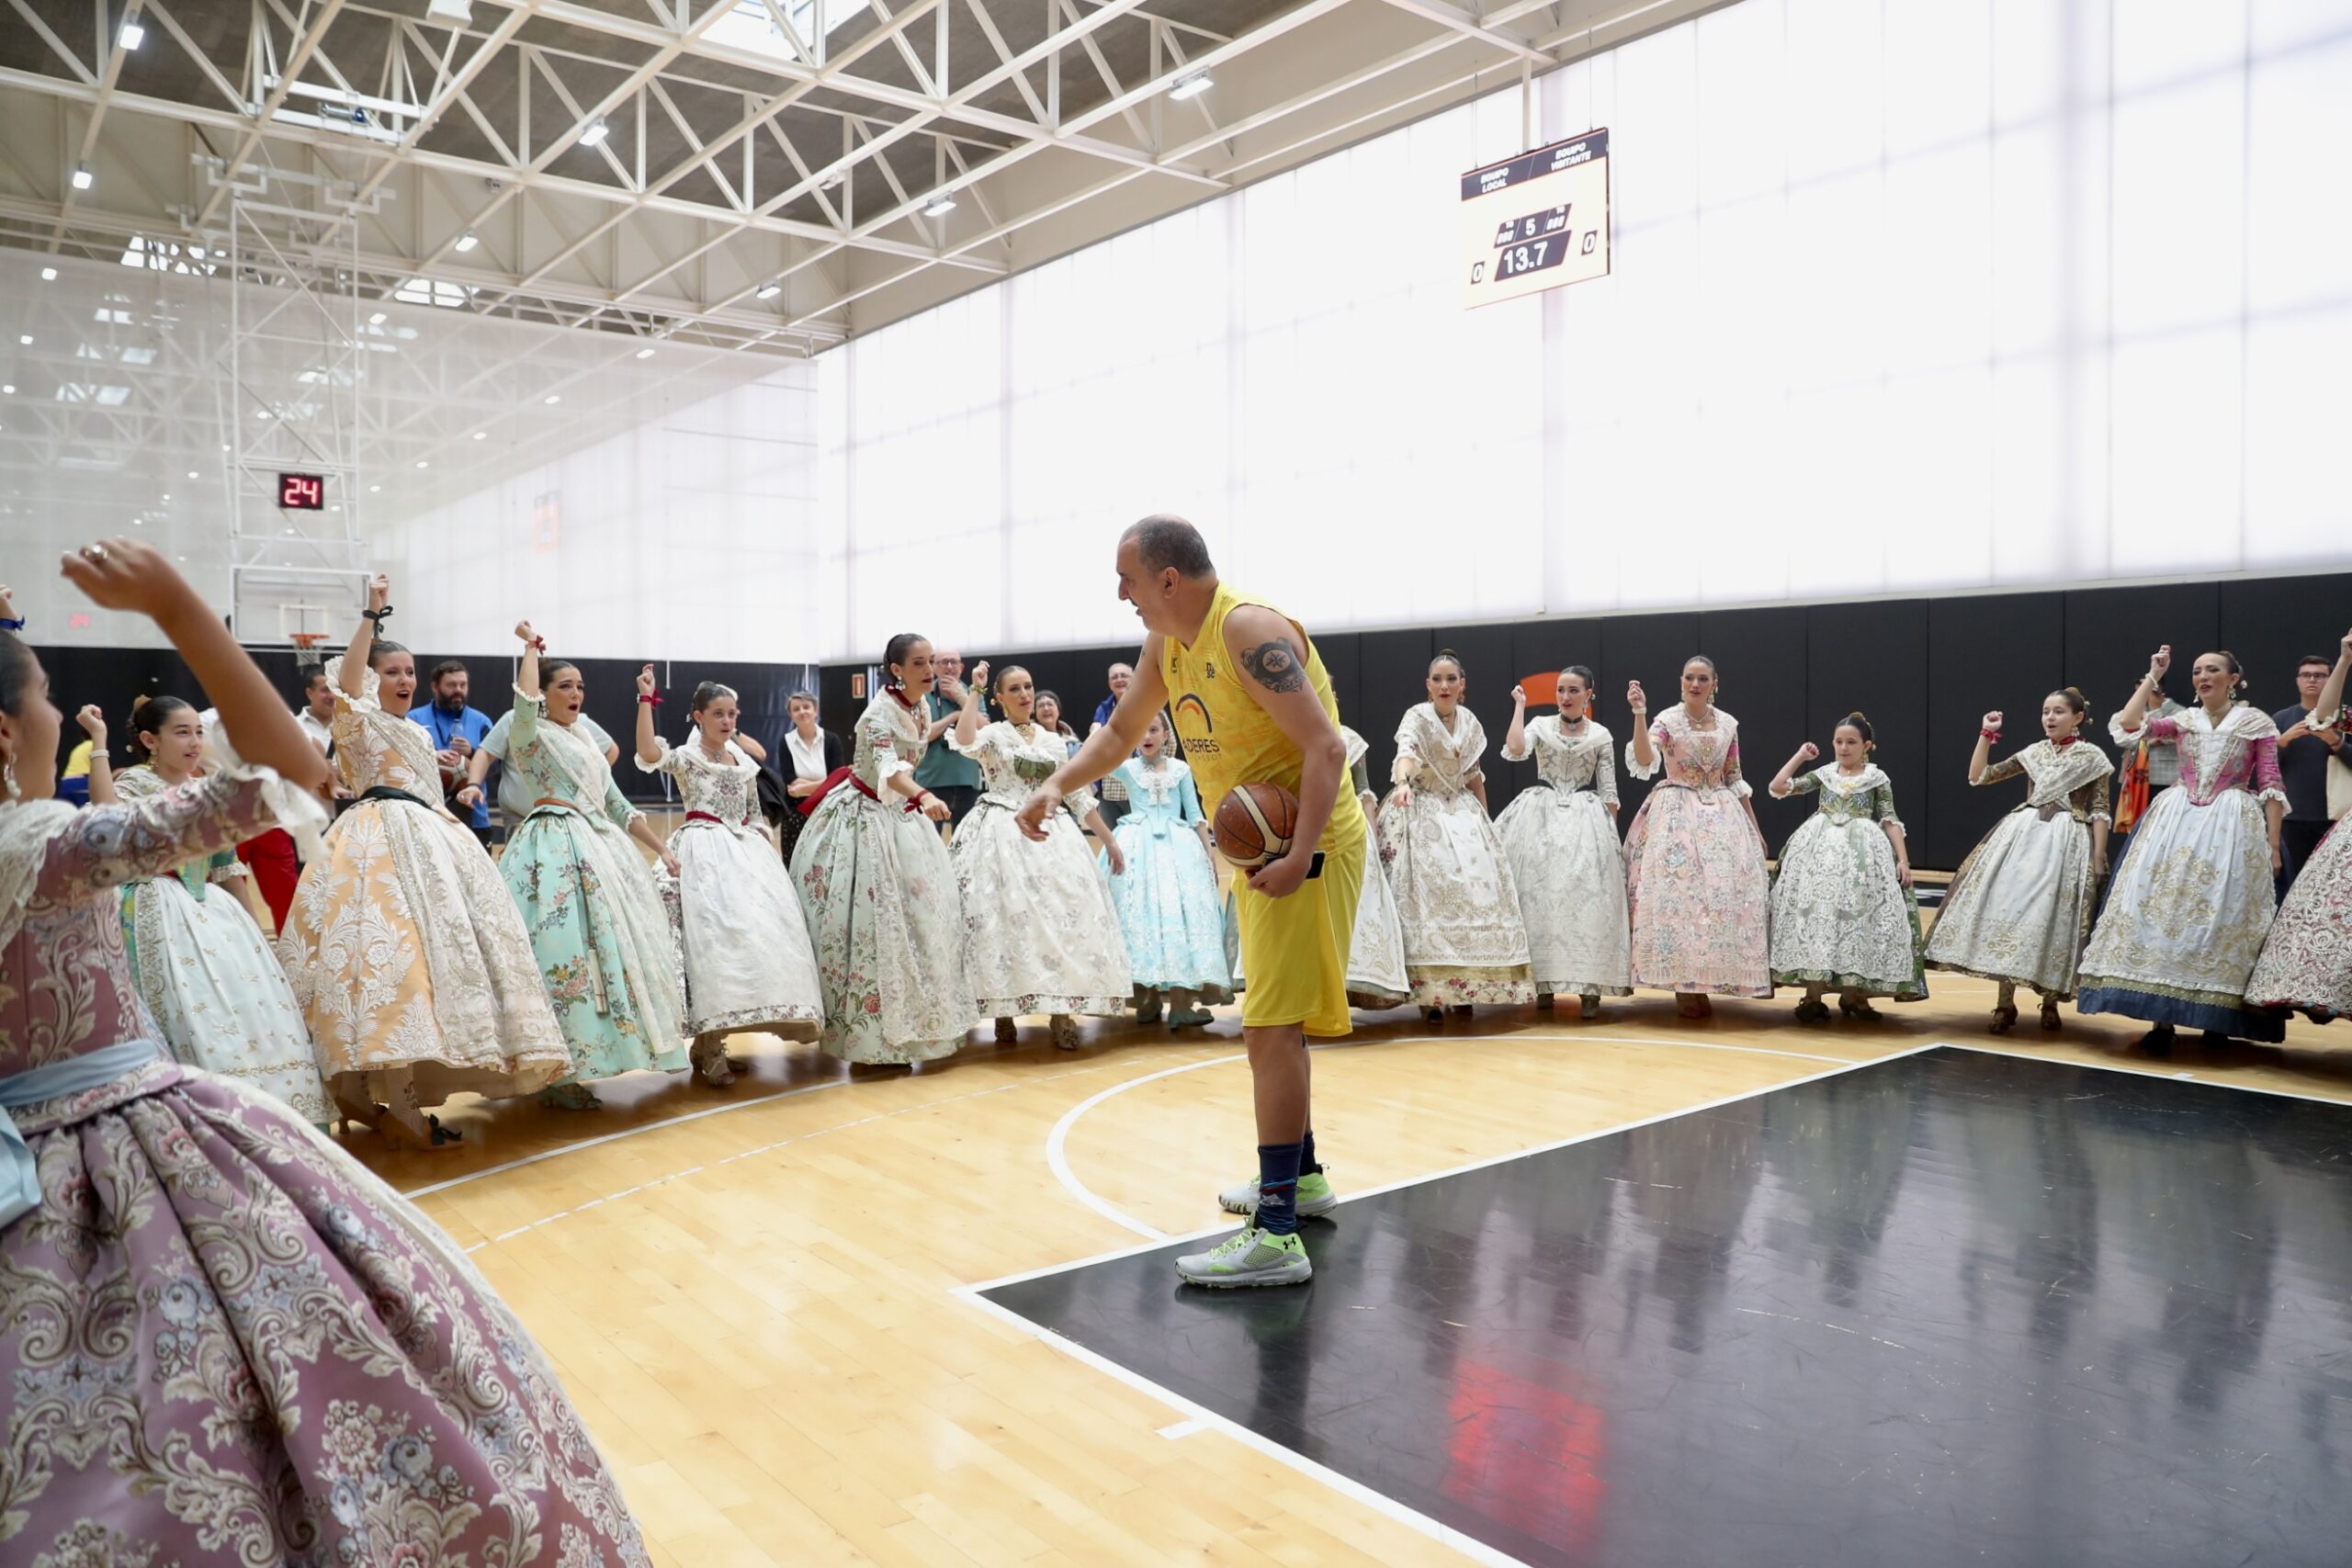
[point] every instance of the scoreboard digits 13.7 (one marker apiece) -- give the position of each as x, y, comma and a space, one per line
1537, 221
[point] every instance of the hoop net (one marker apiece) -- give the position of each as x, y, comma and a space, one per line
306, 645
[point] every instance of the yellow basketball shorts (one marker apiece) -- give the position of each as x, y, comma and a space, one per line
1294, 950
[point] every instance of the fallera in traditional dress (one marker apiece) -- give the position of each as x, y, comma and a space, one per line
1456, 899
1841, 918
588, 900
1695, 885
2194, 897
880, 895
1561, 840
1376, 977
209, 977
741, 941
1167, 902
2020, 908
1041, 933
225, 1343
403, 946
2306, 961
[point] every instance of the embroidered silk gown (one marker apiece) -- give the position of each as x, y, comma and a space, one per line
1166, 901
741, 945
209, 977
404, 947
224, 1342
2020, 907
1695, 887
2307, 960
1567, 860
880, 895
1842, 918
596, 921
1457, 902
2194, 898
1041, 933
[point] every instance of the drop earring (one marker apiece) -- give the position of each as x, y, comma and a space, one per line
8, 774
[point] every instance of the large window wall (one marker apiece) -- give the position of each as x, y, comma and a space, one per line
1909, 296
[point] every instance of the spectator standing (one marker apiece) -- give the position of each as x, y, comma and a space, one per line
2303, 753
458, 732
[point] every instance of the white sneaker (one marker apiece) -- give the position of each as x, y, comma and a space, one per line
1249, 1257
1315, 1197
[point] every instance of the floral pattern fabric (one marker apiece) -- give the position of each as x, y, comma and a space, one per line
2307, 959
595, 920
1457, 902
1041, 933
2194, 898
227, 1344
1695, 885
1561, 841
1842, 918
880, 895
404, 948
2020, 908
209, 977
1167, 902
740, 944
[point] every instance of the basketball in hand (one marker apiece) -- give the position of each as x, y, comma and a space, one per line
1254, 824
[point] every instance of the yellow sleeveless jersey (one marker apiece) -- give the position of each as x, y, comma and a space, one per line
1227, 738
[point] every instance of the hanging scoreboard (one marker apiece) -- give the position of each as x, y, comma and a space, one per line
1536, 221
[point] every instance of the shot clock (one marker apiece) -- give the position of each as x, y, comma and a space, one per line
301, 492
1536, 221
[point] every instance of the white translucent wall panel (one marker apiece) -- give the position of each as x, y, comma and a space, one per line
695, 536
1909, 296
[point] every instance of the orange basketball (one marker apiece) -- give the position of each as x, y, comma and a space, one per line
1254, 824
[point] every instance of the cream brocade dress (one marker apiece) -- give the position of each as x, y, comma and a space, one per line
1456, 899
403, 946
2020, 908
1564, 854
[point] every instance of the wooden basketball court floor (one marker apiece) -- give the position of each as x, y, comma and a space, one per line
760, 1297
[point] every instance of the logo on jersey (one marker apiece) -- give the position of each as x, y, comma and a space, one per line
1191, 701
1200, 745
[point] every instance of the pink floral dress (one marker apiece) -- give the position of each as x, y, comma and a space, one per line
225, 1343
1694, 865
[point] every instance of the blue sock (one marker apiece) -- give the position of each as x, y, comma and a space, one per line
1278, 1188
1308, 1164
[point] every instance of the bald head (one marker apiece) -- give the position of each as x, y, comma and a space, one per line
1162, 541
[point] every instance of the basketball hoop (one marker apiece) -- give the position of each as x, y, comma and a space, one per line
306, 645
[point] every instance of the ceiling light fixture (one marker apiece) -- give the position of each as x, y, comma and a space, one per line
833, 181
644, 354
377, 319
554, 398
420, 463
767, 291
939, 206
49, 275
482, 434
134, 33
26, 339
467, 242
191, 473
82, 179
1191, 86
595, 133
373, 488
458, 11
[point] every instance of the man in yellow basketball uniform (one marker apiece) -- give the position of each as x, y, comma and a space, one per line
1252, 704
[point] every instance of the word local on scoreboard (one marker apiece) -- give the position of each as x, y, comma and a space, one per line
1538, 220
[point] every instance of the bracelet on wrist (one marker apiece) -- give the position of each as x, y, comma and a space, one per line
650, 699
12, 622
378, 616
1990, 733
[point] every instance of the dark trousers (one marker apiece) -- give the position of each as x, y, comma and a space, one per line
2298, 838
960, 799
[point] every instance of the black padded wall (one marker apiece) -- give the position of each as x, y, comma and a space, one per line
1925, 670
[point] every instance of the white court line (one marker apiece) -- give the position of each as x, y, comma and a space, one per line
1056, 1158
1202, 1416
2166, 1074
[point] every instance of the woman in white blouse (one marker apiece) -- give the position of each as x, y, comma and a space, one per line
810, 754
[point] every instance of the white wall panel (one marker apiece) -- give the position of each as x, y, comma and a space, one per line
1909, 295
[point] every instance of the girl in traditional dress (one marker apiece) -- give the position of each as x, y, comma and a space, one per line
1561, 840
743, 958
1456, 899
1695, 885
877, 889
407, 955
1166, 892
1844, 916
225, 1341
2307, 960
2020, 908
2194, 896
205, 970
588, 898
1041, 933
1376, 976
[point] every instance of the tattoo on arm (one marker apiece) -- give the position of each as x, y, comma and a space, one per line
1275, 666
